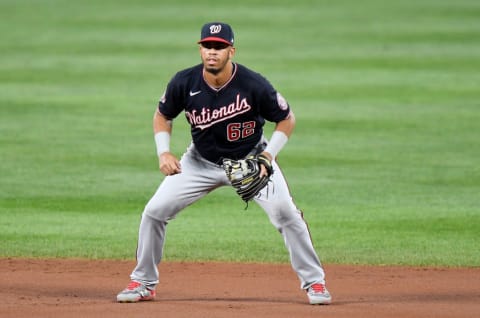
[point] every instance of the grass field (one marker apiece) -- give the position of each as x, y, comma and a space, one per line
384, 161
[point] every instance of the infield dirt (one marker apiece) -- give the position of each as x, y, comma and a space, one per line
85, 288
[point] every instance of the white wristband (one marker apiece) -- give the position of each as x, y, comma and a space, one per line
278, 140
162, 141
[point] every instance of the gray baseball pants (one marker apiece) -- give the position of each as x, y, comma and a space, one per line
199, 177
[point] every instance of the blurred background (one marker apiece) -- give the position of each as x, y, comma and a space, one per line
383, 162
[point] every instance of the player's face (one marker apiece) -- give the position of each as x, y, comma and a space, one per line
215, 55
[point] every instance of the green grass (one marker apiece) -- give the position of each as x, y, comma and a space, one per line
383, 162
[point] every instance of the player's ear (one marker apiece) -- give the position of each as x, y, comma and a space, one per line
231, 53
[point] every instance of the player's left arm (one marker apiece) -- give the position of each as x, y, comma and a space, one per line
283, 131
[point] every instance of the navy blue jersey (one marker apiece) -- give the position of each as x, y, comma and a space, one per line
226, 122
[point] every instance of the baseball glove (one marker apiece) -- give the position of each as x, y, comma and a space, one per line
244, 175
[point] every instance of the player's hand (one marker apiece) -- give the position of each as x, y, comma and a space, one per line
169, 164
263, 169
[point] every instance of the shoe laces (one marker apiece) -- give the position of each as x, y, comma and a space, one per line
133, 285
318, 288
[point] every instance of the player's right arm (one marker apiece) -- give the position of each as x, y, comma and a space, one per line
162, 128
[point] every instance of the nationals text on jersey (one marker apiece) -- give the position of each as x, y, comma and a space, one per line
208, 117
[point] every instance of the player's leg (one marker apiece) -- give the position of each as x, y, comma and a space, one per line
277, 202
198, 177
174, 194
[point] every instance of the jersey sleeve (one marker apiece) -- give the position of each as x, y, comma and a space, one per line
273, 107
171, 103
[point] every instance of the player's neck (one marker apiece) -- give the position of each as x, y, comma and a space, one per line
219, 79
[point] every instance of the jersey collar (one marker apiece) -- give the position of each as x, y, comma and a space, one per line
226, 83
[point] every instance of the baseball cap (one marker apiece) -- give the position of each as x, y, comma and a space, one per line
217, 32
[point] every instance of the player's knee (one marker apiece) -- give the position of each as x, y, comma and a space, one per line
284, 215
160, 210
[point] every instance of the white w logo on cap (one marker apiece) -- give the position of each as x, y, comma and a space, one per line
216, 28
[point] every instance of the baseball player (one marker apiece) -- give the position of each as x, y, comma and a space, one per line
226, 105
